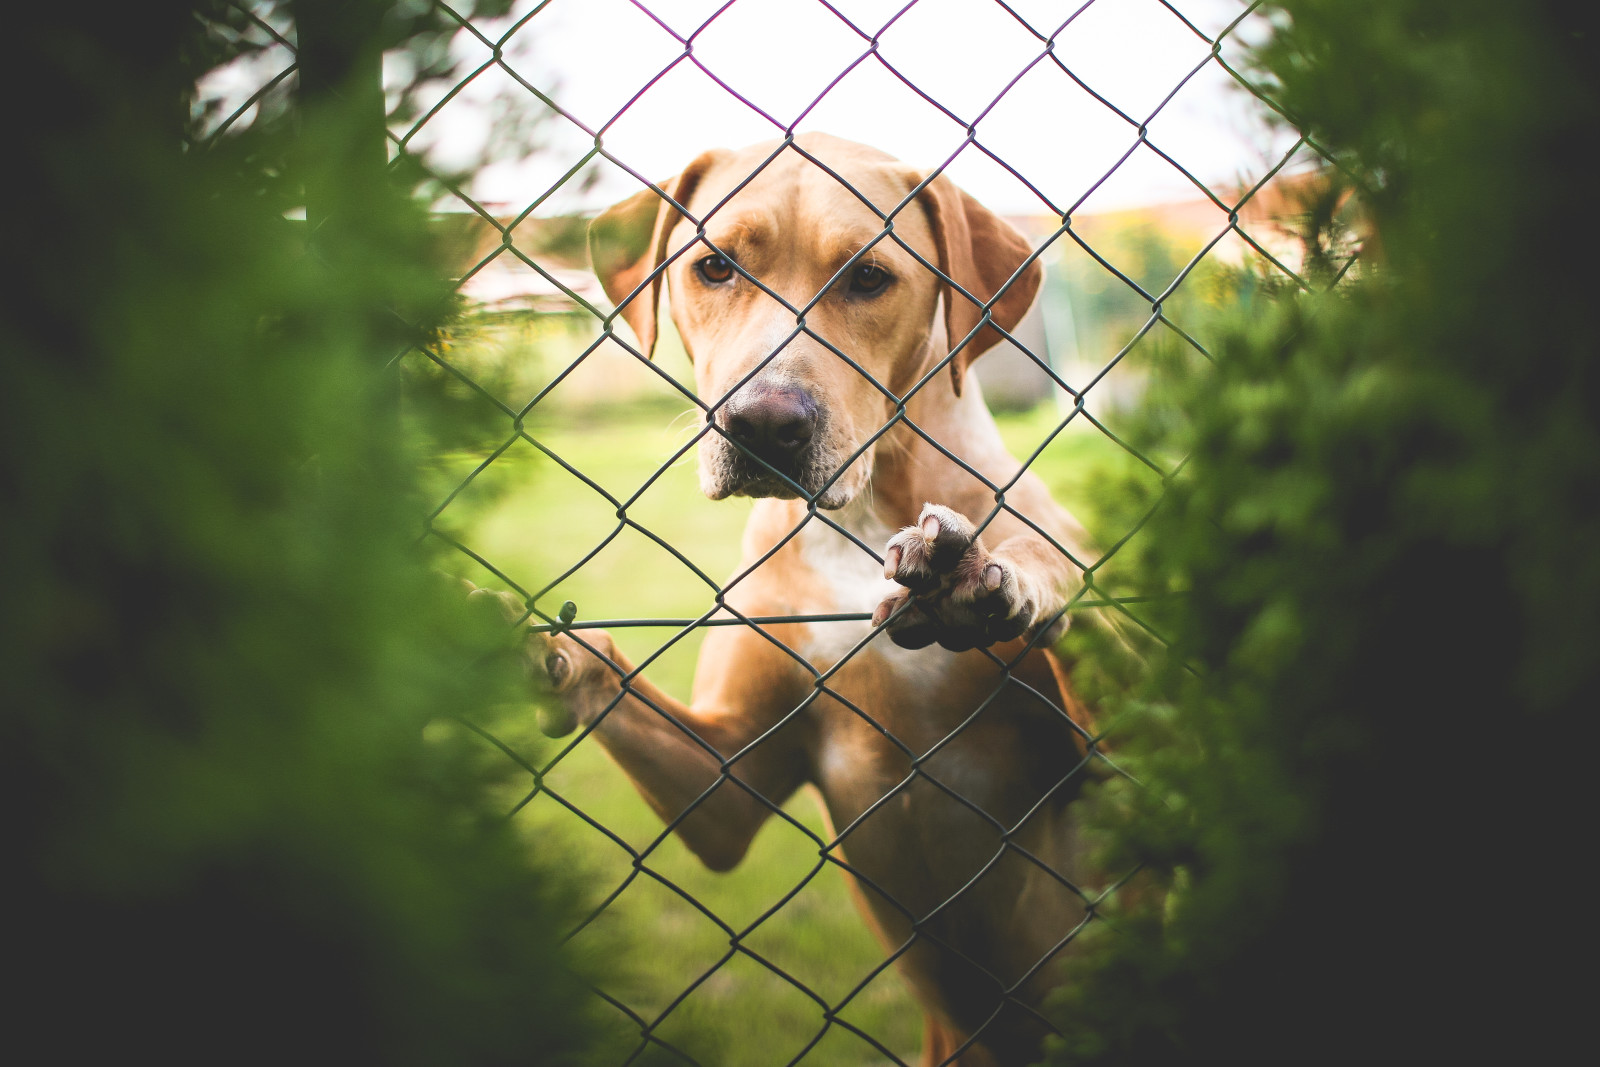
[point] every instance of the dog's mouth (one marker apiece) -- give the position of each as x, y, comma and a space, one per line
810, 473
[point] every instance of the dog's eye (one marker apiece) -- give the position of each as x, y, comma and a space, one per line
868, 278
715, 269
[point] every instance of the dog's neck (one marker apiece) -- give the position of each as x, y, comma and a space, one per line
908, 471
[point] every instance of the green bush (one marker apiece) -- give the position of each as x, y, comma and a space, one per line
235, 836
1360, 761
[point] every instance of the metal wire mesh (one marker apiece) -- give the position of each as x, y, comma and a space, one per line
1075, 391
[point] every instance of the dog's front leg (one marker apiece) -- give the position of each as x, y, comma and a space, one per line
715, 770
962, 594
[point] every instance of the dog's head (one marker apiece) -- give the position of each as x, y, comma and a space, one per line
806, 314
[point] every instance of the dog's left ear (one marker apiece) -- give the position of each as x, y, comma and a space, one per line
628, 241
983, 254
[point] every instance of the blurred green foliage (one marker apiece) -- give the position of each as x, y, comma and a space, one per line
234, 835
1360, 761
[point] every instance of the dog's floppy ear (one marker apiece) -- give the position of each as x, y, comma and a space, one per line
628, 241
979, 251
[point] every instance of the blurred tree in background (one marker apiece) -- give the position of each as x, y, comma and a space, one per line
234, 836
1361, 762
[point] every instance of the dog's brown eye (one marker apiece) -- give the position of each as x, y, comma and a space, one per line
868, 278
715, 269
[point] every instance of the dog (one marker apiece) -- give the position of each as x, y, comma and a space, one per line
815, 284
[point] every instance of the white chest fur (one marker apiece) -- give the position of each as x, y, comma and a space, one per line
850, 580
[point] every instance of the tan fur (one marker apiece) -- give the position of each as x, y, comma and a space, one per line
793, 226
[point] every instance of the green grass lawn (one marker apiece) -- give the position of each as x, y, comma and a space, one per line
533, 520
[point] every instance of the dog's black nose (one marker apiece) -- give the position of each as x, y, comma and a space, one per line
774, 422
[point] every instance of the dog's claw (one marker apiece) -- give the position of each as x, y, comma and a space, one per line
556, 668
960, 596
992, 577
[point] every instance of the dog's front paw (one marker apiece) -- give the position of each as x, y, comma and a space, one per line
956, 593
555, 665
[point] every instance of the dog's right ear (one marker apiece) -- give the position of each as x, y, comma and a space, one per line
628, 242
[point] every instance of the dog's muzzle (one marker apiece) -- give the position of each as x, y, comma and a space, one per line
768, 444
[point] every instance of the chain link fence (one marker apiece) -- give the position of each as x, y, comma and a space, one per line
741, 953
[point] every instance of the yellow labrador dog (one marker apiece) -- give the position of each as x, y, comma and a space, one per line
947, 780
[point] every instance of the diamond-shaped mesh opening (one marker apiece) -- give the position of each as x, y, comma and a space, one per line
874, 1022
796, 936
779, 83
687, 946
1158, 52
921, 49
745, 987
1094, 129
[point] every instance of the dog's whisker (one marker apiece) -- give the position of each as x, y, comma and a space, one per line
681, 425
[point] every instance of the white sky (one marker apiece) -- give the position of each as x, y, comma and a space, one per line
591, 56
